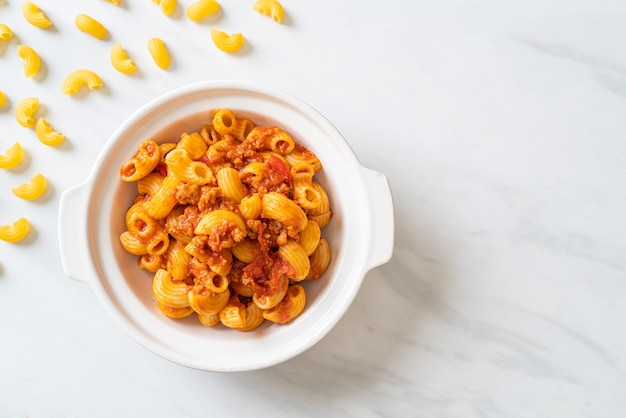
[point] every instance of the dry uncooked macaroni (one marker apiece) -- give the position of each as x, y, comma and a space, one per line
218, 221
91, 26
167, 6
202, 8
24, 112
46, 134
3, 99
225, 42
120, 60
159, 53
31, 190
12, 156
34, 15
271, 8
79, 78
16, 231
30, 59
5, 32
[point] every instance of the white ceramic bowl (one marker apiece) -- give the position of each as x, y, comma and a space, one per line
91, 218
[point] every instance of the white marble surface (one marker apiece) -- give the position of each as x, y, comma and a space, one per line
501, 126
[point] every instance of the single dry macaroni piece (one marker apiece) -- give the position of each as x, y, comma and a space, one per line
115, 2
12, 156
30, 59
159, 53
31, 190
5, 32
78, 78
46, 134
202, 8
120, 60
34, 15
167, 6
3, 99
225, 42
15, 232
271, 8
91, 26
218, 222
24, 112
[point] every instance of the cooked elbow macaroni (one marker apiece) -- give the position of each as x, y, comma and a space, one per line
24, 112
78, 78
46, 134
218, 223
34, 15
271, 8
225, 42
159, 53
202, 8
30, 59
5, 32
31, 190
12, 156
15, 232
120, 60
91, 26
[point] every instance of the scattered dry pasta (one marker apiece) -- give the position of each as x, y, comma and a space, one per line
79, 78
225, 42
217, 222
91, 26
12, 156
120, 60
46, 134
31, 190
271, 8
5, 32
159, 53
15, 232
202, 8
24, 111
34, 15
30, 59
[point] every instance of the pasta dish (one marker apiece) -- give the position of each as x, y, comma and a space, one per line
229, 219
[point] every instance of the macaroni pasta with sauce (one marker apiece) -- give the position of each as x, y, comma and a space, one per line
228, 226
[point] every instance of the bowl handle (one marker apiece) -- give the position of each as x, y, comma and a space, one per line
381, 204
73, 245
